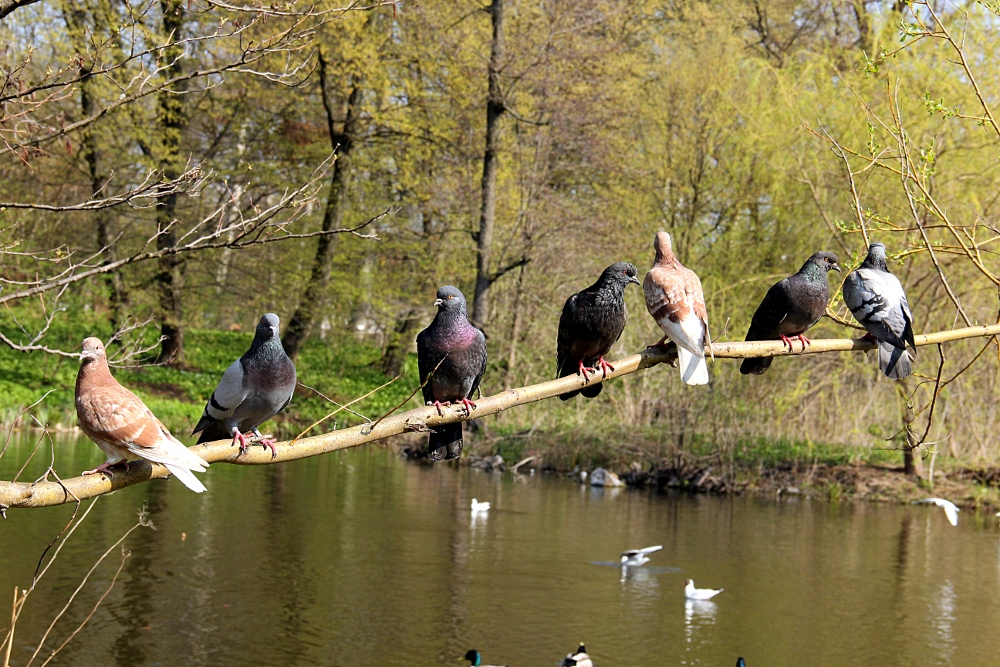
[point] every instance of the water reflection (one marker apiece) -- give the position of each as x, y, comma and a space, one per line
359, 558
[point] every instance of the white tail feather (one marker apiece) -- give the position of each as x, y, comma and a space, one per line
694, 370
186, 477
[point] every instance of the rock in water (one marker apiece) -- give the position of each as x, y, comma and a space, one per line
675, 300
877, 299
591, 322
791, 307
452, 354
121, 424
256, 387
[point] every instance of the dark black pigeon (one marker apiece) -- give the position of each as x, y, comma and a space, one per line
791, 307
460, 349
878, 301
253, 389
591, 322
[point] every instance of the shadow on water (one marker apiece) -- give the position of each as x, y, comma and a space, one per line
359, 558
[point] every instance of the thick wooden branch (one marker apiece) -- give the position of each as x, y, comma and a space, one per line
44, 494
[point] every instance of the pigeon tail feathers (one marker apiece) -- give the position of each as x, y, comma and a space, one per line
186, 477
694, 370
895, 362
755, 365
212, 432
445, 442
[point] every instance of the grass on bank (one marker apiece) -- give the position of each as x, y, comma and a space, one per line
343, 369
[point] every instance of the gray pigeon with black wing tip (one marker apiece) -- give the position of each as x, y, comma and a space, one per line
256, 387
877, 299
790, 308
451, 357
592, 321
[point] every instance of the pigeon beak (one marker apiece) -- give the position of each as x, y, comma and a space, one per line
274, 330
437, 304
633, 279
836, 267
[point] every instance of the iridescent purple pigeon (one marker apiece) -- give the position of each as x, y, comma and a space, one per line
452, 354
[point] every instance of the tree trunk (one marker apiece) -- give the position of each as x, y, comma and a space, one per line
395, 352
515, 329
76, 20
913, 465
311, 305
487, 214
169, 279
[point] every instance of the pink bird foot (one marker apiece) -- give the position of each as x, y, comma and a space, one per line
104, 468
805, 341
787, 341
584, 369
469, 406
242, 440
268, 443
439, 405
605, 367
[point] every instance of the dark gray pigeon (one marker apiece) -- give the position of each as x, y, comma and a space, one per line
591, 322
878, 301
790, 308
453, 353
253, 389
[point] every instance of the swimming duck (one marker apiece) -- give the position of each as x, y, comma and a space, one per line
480, 507
476, 660
636, 557
692, 593
578, 659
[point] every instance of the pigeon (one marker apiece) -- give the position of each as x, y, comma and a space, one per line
591, 322
121, 424
636, 557
951, 510
692, 593
790, 308
578, 659
475, 660
480, 507
451, 356
256, 387
675, 300
878, 301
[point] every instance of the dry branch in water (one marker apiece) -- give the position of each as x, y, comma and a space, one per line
44, 494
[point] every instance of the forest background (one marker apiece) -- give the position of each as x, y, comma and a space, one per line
174, 169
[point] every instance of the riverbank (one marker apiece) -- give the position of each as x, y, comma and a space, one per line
829, 473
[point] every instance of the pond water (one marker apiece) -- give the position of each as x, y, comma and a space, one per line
361, 558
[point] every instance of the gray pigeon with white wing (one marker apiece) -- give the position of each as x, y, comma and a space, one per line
256, 387
878, 301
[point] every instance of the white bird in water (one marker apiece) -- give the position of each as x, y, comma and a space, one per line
578, 659
636, 557
479, 507
950, 509
692, 593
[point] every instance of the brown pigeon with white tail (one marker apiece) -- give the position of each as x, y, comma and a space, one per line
676, 301
121, 424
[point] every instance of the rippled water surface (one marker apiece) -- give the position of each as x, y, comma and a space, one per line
360, 558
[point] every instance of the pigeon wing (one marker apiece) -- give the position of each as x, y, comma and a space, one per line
481, 345
228, 395
876, 299
770, 313
114, 414
674, 298
425, 364
564, 340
